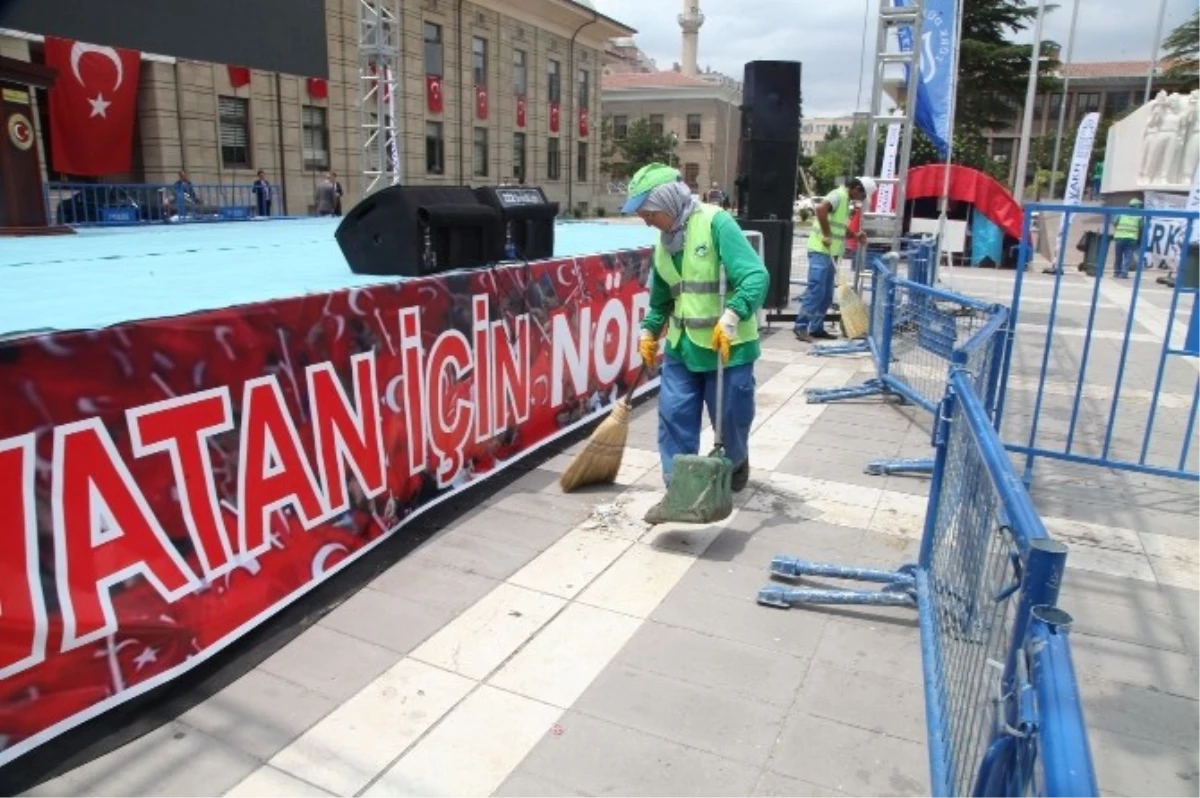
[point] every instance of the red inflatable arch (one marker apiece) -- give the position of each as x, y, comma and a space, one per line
969, 185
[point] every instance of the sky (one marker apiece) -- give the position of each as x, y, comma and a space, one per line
827, 37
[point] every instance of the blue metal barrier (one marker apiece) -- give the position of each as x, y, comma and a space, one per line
115, 204
1002, 703
1098, 428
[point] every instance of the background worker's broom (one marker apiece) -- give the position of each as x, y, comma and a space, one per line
600, 460
854, 313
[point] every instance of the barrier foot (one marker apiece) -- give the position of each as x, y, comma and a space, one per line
787, 597
872, 387
849, 348
900, 465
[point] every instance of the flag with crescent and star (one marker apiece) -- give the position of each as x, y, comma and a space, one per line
481, 102
553, 117
433, 93
93, 106
520, 110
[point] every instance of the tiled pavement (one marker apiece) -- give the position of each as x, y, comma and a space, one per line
547, 644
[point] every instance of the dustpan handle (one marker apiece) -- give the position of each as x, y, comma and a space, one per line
718, 439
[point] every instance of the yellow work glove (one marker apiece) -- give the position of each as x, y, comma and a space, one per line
724, 331
648, 348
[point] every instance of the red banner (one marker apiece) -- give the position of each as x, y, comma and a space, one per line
433, 93
481, 102
553, 117
318, 88
520, 110
93, 107
583, 122
170, 484
238, 76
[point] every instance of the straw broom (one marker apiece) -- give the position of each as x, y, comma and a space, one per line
855, 323
600, 460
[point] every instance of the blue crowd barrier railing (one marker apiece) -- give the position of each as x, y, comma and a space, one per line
1003, 711
117, 204
1080, 417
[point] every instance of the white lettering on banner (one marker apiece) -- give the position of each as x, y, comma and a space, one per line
575, 355
22, 602
1164, 240
886, 197
1084, 140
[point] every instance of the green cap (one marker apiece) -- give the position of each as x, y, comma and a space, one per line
1135, 202
645, 180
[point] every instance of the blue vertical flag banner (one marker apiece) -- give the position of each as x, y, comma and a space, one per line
936, 82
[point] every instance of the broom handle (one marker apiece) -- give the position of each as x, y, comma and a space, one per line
718, 440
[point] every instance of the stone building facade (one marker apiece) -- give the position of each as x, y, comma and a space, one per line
191, 117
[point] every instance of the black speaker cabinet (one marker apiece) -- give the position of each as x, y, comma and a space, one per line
527, 215
771, 101
766, 181
777, 255
410, 231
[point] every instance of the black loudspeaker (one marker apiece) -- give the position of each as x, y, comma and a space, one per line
777, 255
526, 219
410, 231
766, 181
771, 101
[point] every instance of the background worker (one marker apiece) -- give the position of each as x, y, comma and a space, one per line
1127, 235
825, 246
685, 295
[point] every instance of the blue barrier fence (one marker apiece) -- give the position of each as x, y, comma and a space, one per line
913, 333
1084, 409
1003, 710
116, 204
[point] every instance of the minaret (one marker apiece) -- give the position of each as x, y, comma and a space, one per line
690, 21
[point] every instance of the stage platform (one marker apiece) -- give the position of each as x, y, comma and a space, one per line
105, 276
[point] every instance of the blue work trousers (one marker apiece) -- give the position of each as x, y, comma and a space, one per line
1126, 250
682, 396
818, 295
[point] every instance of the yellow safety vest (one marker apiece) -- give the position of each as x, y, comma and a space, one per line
1127, 227
839, 221
696, 287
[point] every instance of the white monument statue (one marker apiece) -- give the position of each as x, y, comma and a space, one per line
1156, 147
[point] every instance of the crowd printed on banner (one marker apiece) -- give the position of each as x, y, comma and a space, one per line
1164, 241
170, 484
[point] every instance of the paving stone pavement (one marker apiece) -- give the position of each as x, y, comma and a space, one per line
551, 644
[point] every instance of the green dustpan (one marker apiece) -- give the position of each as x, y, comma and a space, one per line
701, 489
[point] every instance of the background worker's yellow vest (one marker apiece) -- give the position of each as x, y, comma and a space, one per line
838, 222
1127, 227
696, 287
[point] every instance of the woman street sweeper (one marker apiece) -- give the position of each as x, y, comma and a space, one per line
697, 241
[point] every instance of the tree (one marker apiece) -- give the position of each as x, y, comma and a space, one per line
1182, 47
621, 158
839, 157
970, 149
833, 134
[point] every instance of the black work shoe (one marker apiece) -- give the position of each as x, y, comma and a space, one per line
803, 336
741, 476
824, 335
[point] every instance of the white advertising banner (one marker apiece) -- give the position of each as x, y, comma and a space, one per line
1077, 177
1164, 239
886, 196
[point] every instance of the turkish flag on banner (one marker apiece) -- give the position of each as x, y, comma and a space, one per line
553, 117
520, 110
481, 104
433, 93
318, 88
583, 121
92, 107
238, 76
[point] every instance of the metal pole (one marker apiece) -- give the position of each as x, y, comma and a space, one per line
1062, 105
945, 199
1030, 96
1162, 12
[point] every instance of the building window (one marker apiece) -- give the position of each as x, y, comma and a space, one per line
1086, 103
520, 74
1055, 105
581, 161
552, 163
1117, 103
481, 152
620, 129
435, 149
691, 175
316, 138
656, 124
1002, 150
433, 49
693, 127
519, 157
235, 130
582, 88
554, 81
479, 60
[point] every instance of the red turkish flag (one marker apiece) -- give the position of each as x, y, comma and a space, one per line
238, 76
92, 107
520, 110
433, 93
553, 117
318, 88
583, 121
481, 104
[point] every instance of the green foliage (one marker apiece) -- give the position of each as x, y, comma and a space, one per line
833, 134
1182, 47
620, 159
841, 156
970, 149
